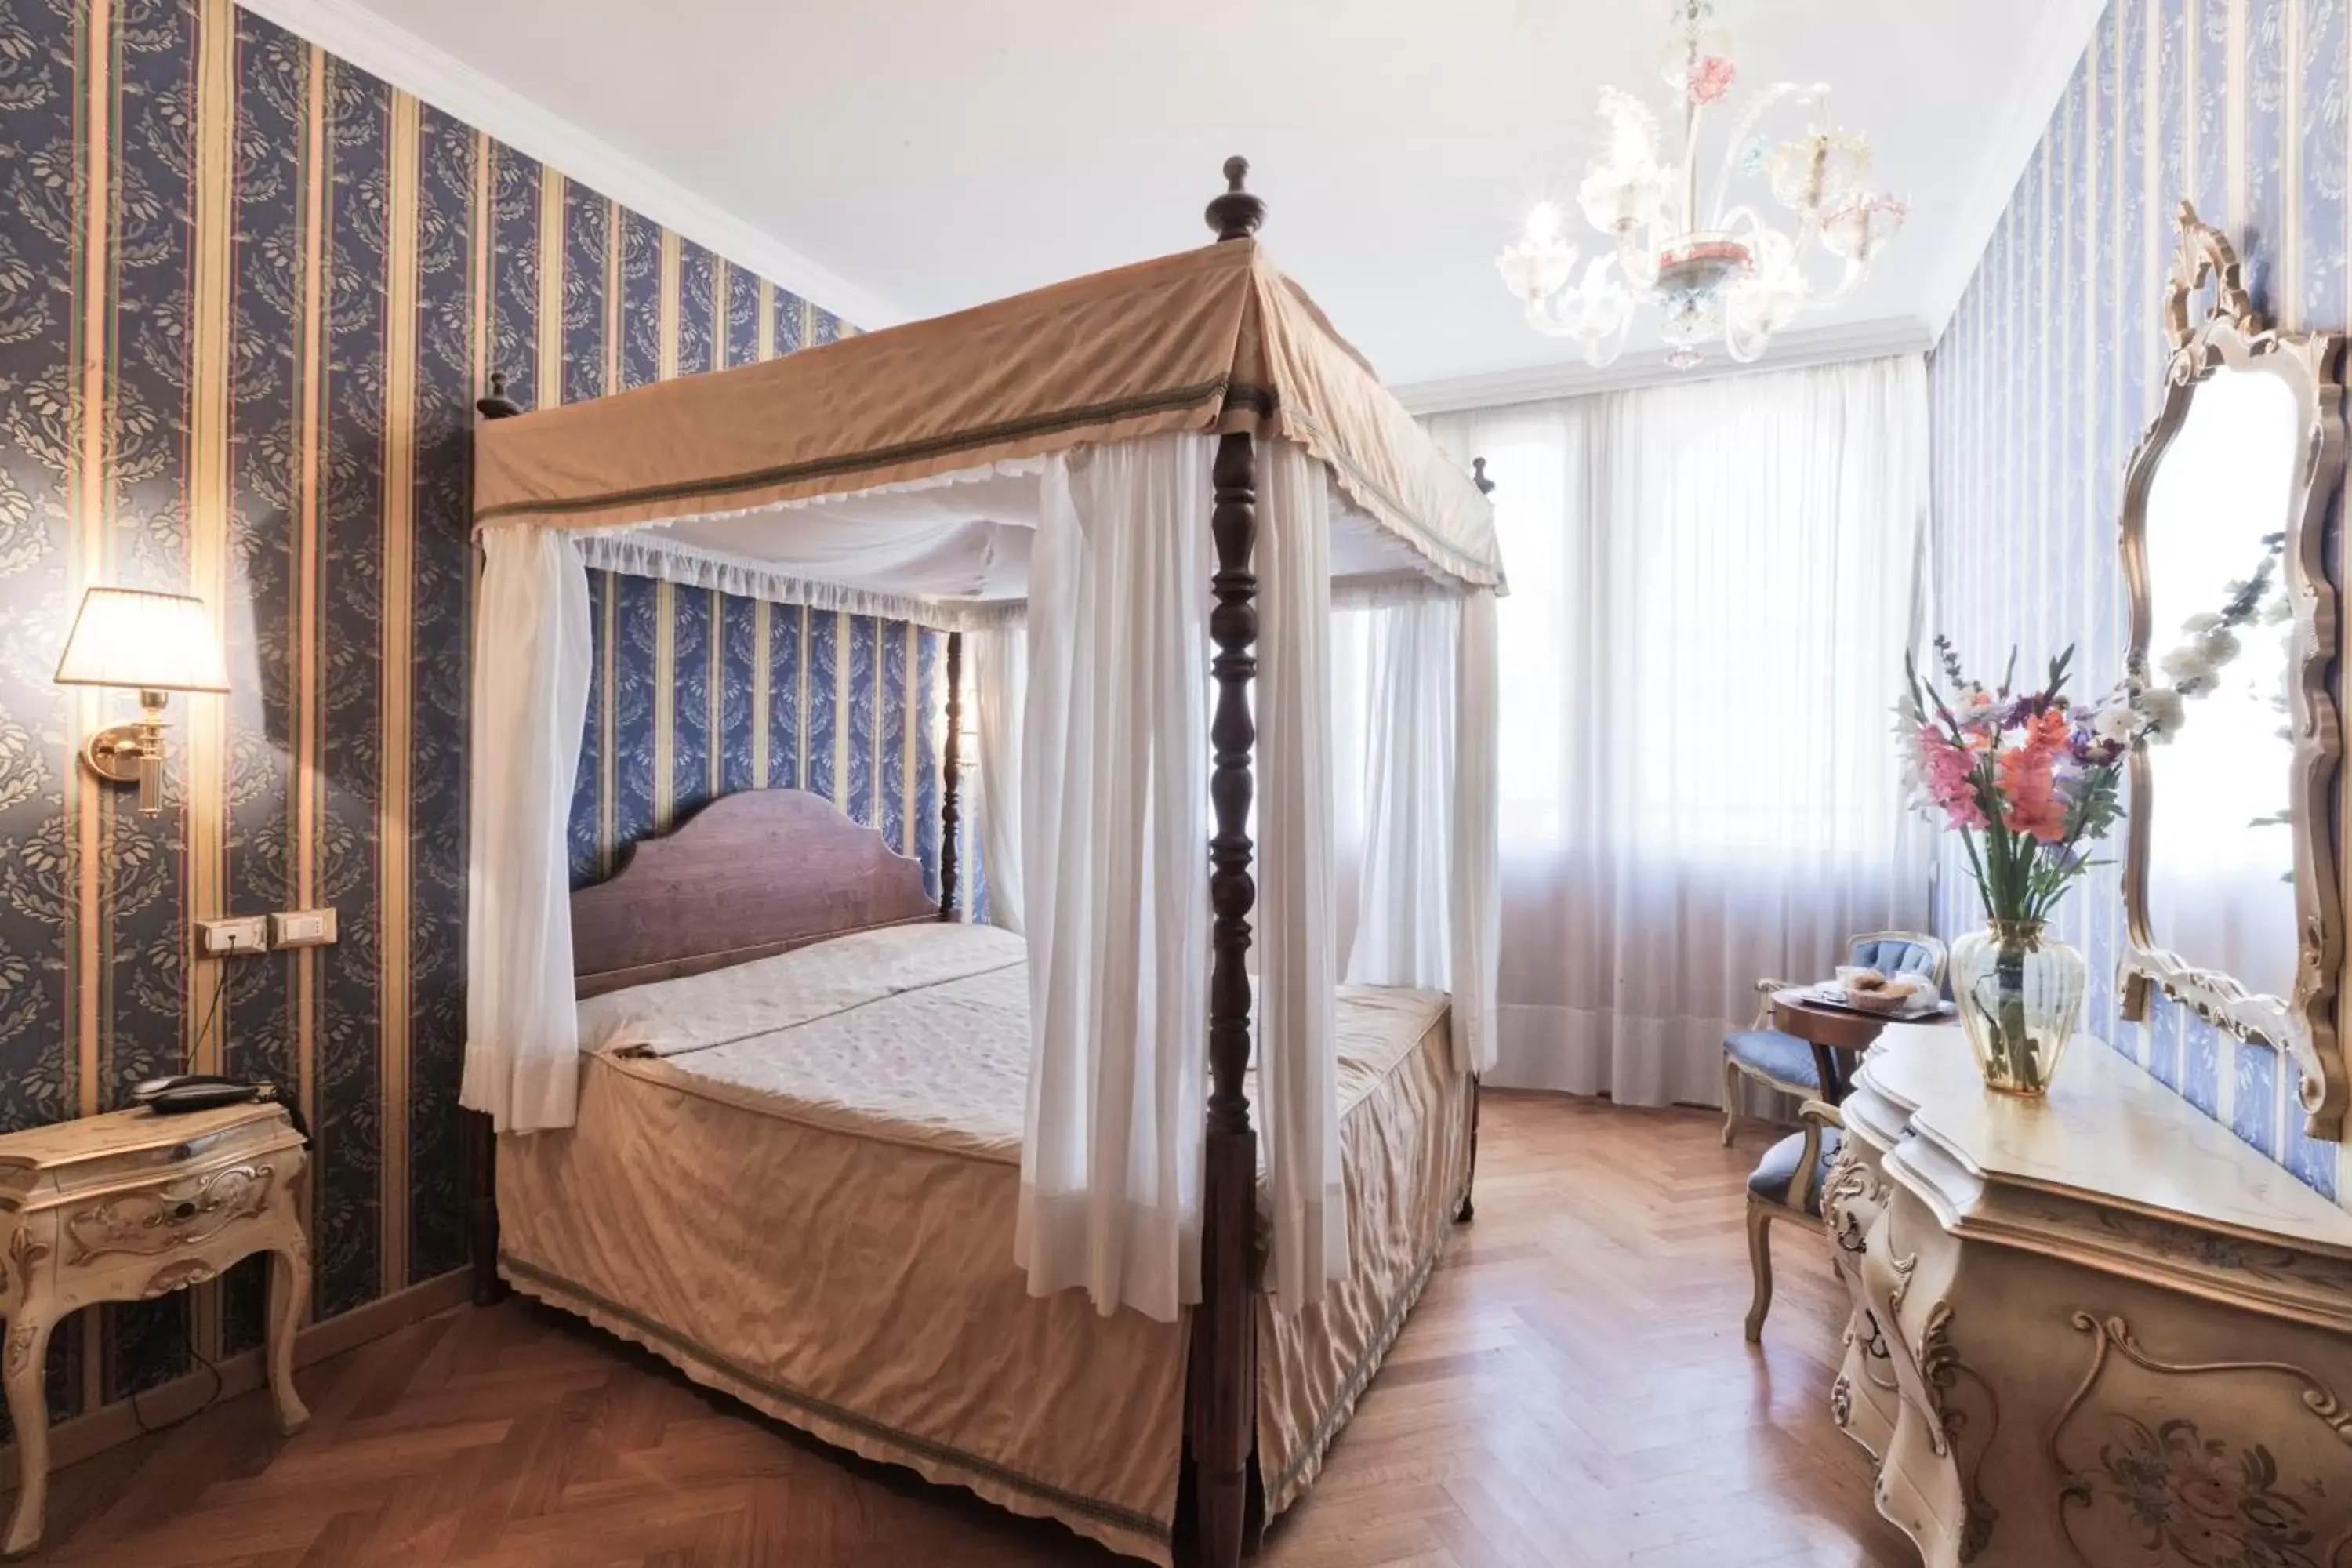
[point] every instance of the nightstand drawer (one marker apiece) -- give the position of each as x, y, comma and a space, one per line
184, 1209
130, 1164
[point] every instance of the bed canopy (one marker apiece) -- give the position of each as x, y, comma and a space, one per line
1141, 492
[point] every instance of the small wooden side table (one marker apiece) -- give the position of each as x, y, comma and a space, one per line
1836, 1035
128, 1207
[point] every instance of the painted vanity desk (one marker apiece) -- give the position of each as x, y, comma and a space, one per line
2097, 1330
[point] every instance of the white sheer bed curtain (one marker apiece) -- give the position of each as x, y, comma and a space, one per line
531, 656
999, 684
1421, 828
1712, 589
1113, 829
1299, 952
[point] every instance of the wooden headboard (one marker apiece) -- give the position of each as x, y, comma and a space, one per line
749, 875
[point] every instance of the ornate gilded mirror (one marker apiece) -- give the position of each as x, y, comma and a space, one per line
2231, 873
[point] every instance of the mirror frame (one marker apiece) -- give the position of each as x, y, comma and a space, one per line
2232, 335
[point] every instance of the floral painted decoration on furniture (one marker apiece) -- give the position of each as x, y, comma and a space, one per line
2190, 1496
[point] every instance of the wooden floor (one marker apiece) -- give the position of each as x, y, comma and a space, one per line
1573, 1391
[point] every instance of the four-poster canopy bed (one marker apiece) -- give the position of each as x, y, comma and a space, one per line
773, 989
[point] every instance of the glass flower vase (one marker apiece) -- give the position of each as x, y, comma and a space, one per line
2020, 993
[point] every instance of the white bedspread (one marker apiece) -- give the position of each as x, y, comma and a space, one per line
915, 1033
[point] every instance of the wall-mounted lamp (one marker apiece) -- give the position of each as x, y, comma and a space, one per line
155, 644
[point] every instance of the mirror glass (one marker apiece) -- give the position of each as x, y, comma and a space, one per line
2221, 879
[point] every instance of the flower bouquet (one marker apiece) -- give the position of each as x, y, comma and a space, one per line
2028, 781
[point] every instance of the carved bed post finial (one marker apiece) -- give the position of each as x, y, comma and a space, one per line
1236, 214
1478, 477
497, 405
1223, 1372
950, 766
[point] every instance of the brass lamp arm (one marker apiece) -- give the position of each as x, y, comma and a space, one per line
122, 753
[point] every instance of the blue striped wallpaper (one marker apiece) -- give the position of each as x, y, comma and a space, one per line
248, 295
2050, 370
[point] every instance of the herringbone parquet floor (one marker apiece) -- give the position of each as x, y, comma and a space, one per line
1573, 1391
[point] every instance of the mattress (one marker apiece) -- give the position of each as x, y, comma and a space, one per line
796, 1179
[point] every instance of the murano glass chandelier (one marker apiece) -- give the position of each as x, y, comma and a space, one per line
1739, 279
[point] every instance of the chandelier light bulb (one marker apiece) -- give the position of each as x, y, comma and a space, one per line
1720, 273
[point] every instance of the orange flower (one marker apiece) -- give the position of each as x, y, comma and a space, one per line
2029, 783
2048, 731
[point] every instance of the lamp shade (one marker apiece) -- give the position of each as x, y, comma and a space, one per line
155, 642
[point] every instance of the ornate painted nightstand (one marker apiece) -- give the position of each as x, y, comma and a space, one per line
129, 1206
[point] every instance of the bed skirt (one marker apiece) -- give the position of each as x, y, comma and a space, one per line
866, 1295
1131, 1533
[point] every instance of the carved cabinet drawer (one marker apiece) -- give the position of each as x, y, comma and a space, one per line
148, 1219
134, 1204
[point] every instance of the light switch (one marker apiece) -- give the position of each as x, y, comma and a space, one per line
232, 938
302, 928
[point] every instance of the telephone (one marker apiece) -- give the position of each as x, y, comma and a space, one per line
184, 1092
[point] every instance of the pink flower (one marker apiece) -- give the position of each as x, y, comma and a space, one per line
1710, 79
1950, 776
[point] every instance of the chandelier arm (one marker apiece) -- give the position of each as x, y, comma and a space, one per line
1809, 230
1638, 257
1754, 348
1601, 352
1778, 93
1856, 270
1694, 113
1546, 319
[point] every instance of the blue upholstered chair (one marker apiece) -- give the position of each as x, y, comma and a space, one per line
1785, 1062
1788, 1184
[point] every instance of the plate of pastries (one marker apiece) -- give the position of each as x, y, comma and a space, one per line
1888, 995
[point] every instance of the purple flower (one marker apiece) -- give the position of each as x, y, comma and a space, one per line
2089, 750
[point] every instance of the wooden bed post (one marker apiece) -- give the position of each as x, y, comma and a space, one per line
481, 1136
1223, 1401
950, 767
1469, 1209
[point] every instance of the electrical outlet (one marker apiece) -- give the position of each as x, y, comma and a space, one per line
302, 928
232, 938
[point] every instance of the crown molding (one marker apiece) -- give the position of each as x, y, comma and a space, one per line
440, 79
2046, 61
1573, 378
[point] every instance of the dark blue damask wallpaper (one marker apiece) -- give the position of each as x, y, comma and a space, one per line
248, 295
696, 694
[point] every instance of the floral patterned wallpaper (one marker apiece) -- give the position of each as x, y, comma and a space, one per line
2051, 371
248, 295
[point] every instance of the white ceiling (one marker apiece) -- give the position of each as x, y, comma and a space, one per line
899, 158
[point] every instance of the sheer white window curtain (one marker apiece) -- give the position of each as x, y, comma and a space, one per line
1712, 589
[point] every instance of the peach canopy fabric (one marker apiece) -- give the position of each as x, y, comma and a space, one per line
1210, 340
